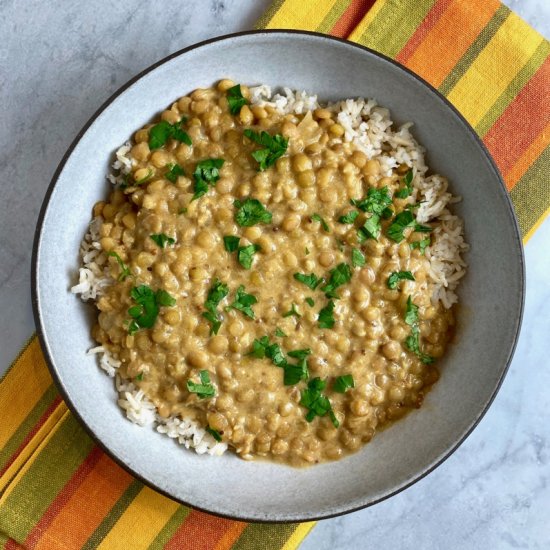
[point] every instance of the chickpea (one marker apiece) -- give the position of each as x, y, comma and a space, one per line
140, 152
218, 344
197, 358
291, 222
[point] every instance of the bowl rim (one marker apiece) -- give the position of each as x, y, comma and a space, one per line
49, 360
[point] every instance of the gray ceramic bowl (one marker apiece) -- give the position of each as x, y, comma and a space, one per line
491, 294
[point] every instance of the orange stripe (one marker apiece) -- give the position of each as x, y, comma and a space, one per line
438, 51
432, 17
523, 120
62, 498
199, 531
351, 17
231, 535
103, 486
32, 433
524, 162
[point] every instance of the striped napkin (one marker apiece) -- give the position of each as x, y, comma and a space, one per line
58, 490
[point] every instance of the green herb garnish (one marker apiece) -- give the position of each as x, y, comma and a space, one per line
370, 229
413, 341
340, 275
396, 276
293, 311
376, 201
145, 312
243, 302
245, 255
274, 147
206, 174
259, 347
324, 224
204, 389
124, 269
161, 239
139, 377
316, 403
407, 190
357, 258
294, 373
421, 245
310, 301
231, 243
299, 353
343, 383
402, 221
250, 212
174, 170
214, 433
218, 291
311, 280
326, 316
235, 99
161, 132
350, 217
280, 333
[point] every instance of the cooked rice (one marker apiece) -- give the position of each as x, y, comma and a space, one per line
370, 128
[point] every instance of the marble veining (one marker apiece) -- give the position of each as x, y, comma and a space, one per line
60, 61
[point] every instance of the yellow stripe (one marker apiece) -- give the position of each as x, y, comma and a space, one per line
498, 63
22, 388
32, 445
366, 21
531, 231
141, 522
297, 14
298, 536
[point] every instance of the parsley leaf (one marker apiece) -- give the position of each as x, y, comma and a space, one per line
245, 255
273, 352
206, 174
139, 377
309, 300
259, 347
324, 224
350, 217
316, 403
340, 275
243, 302
376, 201
250, 212
311, 280
421, 245
370, 229
293, 311
204, 389
279, 333
124, 269
299, 353
294, 373
411, 313
218, 291
161, 132
326, 317
231, 243
164, 299
145, 312
174, 170
413, 341
161, 239
274, 147
407, 190
214, 433
396, 276
343, 383
402, 221
357, 258
235, 99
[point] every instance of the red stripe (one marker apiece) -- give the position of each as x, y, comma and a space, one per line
13, 545
32, 433
199, 531
351, 17
63, 497
522, 121
429, 22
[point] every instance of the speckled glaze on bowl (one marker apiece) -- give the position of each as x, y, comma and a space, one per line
491, 295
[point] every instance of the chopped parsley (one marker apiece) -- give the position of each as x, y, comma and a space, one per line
231, 243
124, 269
421, 245
310, 301
293, 311
294, 373
245, 255
273, 148
370, 229
139, 377
148, 303
357, 258
316, 403
279, 333
340, 275
326, 316
161, 239
218, 291
214, 433
396, 276
350, 217
311, 280
321, 220
250, 212
376, 201
161, 132
206, 174
204, 389
413, 340
259, 347
243, 302
174, 170
402, 221
235, 99
343, 383
299, 353
274, 352
406, 191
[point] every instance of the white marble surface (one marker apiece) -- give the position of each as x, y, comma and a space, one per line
59, 61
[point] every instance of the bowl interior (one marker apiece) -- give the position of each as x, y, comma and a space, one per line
471, 372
